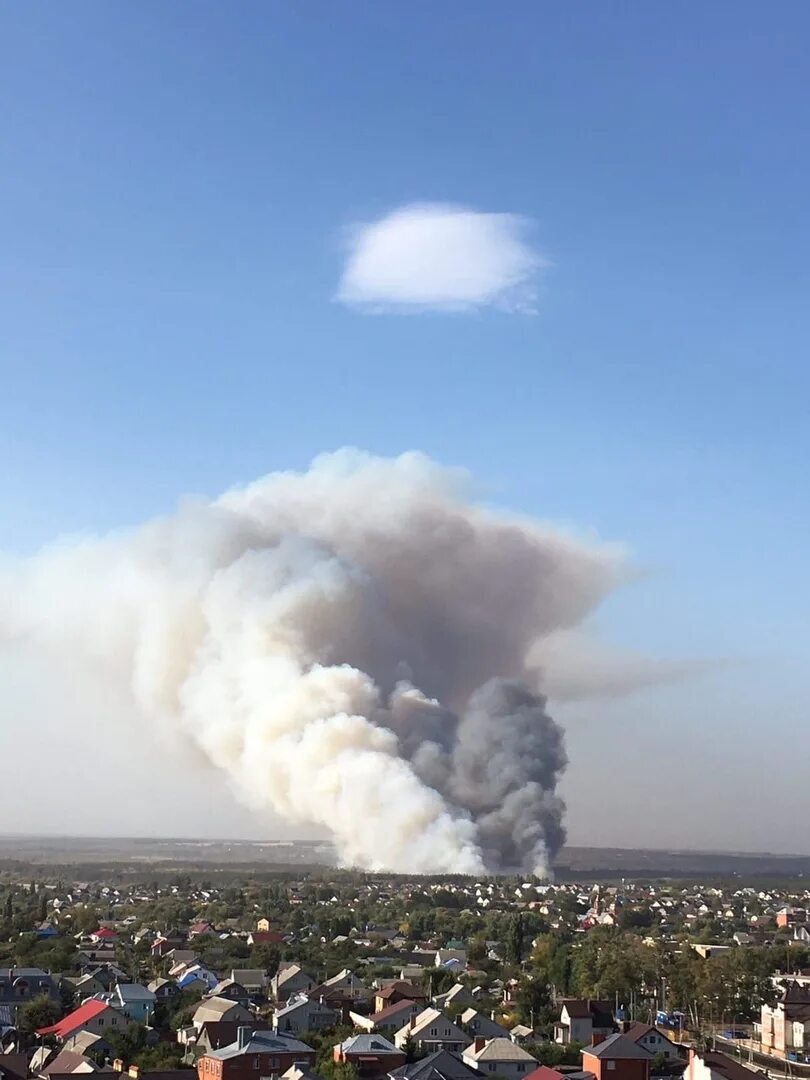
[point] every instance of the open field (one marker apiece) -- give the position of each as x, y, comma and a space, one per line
163, 855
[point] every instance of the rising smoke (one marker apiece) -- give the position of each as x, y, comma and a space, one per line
351, 645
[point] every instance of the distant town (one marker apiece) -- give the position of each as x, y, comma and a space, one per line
155, 970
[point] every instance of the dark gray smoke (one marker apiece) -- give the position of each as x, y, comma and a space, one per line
499, 763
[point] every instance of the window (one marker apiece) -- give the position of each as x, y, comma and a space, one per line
611, 1065
521, 1068
491, 1066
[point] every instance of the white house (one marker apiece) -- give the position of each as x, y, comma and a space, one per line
303, 1014
500, 1056
432, 1030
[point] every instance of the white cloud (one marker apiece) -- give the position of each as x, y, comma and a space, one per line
436, 256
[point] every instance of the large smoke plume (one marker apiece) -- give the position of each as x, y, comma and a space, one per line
351, 645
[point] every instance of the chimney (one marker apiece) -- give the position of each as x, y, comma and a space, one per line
479, 1042
243, 1036
134, 1071
596, 1038
118, 1065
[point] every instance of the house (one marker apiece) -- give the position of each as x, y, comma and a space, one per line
522, 1033
302, 1013
440, 1065
93, 1015
103, 936
254, 1054
231, 991
431, 1030
652, 1039
164, 990
182, 959
785, 1026
477, 1024
387, 1020
451, 958
617, 1058
581, 1019
254, 980
455, 1000
398, 990
290, 979
715, 1066
133, 1000
263, 924
68, 1062
197, 975
20, 985
350, 985
220, 1009
787, 916
215, 1034
201, 929
85, 1042
500, 1056
371, 1055
83, 986
265, 937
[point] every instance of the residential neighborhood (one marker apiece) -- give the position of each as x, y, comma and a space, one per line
335, 975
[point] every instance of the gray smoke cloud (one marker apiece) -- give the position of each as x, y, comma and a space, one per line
353, 645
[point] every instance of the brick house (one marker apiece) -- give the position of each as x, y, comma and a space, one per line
254, 1056
617, 1058
371, 1055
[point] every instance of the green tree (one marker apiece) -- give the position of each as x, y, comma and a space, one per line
39, 1013
515, 941
533, 1002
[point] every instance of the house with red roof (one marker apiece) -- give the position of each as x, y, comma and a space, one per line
104, 934
95, 1016
201, 929
265, 937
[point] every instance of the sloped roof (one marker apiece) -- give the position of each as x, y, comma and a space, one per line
638, 1031
726, 1066
403, 988
368, 1044
76, 1019
499, 1050
441, 1065
69, 1061
618, 1048
391, 1012
134, 992
263, 1042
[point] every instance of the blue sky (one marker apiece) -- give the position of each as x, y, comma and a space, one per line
178, 185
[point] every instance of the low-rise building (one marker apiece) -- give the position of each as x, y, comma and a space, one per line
254, 1054
617, 1058
500, 1056
431, 1030
582, 1019
302, 1014
371, 1055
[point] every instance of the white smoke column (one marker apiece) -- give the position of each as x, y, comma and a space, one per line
291, 627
